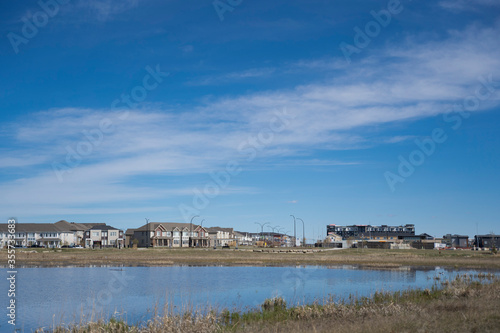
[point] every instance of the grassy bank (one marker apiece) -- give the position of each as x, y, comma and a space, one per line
164, 257
460, 305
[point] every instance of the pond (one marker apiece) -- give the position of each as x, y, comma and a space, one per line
45, 296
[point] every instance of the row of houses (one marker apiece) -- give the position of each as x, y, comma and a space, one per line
385, 236
153, 234
174, 234
63, 234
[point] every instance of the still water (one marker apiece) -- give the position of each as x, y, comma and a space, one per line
47, 296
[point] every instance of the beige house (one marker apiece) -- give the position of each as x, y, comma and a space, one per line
221, 236
103, 235
72, 234
171, 234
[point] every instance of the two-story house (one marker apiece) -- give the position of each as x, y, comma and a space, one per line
103, 235
221, 236
171, 234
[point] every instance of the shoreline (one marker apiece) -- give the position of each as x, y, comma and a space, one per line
366, 258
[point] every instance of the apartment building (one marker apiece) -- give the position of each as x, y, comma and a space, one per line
369, 232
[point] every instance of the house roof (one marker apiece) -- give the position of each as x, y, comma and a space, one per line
216, 229
130, 231
60, 226
32, 227
90, 225
70, 226
103, 227
169, 226
242, 233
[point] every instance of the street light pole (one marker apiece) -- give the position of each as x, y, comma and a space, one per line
294, 232
281, 235
273, 228
191, 229
303, 232
261, 228
201, 225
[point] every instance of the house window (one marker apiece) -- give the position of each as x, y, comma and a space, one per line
168, 233
164, 233
176, 241
95, 233
112, 233
176, 234
158, 233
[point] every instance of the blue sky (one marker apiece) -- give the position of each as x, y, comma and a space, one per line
345, 112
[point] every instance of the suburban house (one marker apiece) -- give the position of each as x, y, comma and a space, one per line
171, 234
243, 238
72, 234
487, 241
333, 238
457, 241
102, 235
129, 237
33, 234
221, 236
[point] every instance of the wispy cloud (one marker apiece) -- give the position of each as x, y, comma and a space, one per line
467, 5
105, 10
408, 82
233, 77
399, 138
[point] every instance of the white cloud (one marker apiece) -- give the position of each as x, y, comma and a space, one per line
104, 10
408, 82
466, 5
233, 77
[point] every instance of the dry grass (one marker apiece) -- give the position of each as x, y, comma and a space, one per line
165, 257
461, 305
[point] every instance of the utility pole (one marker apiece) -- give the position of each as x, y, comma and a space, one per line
294, 232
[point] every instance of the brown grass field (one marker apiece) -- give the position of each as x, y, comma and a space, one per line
248, 256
